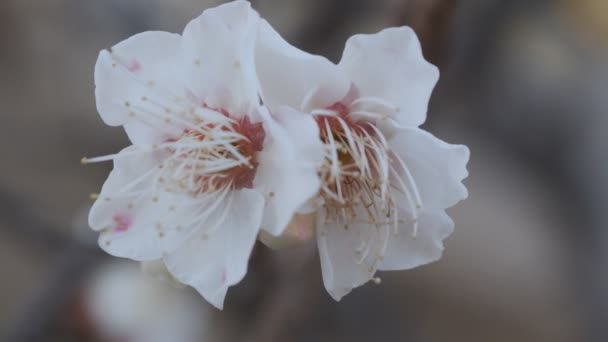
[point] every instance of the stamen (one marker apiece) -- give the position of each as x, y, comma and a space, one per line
323, 112
360, 179
379, 135
365, 252
206, 158
161, 116
206, 210
411, 180
413, 207
308, 97
220, 221
224, 165
334, 154
109, 157
349, 137
380, 163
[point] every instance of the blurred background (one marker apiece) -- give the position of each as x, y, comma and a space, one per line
524, 84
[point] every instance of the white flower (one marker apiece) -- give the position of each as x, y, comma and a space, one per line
125, 304
208, 166
385, 182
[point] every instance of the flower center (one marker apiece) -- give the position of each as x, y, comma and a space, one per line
363, 180
213, 156
356, 169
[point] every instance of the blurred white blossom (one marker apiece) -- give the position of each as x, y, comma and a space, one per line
127, 305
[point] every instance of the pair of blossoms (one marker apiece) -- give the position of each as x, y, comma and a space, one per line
237, 135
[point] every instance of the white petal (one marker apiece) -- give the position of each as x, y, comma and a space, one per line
287, 173
144, 134
406, 250
137, 80
389, 65
299, 231
436, 167
216, 256
218, 57
130, 165
349, 256
136, 219
158, 270
291, 77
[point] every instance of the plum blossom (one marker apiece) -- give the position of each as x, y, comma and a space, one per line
385, 183
208, 166
124, 304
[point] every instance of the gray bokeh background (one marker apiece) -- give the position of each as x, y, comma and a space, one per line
524, 84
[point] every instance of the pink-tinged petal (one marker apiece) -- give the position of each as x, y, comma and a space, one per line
216, 256
299, 231
134, 66
136, 83
135, 219
291, 77
350, 254
122, 222
389, 65
217, 55
436, 167
407, 249
287, 174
